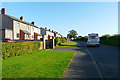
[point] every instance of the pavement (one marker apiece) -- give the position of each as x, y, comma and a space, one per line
92, 62
82, 65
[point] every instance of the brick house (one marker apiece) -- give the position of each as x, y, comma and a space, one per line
17, 29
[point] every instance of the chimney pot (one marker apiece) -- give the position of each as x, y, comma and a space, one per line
49, 29
45, 27
21, 18
3, 11
33, 22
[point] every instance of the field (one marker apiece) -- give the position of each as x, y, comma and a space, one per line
39, 64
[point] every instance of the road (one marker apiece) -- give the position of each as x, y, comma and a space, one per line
106, 58
93, 62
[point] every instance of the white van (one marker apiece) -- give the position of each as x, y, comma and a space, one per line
93, 40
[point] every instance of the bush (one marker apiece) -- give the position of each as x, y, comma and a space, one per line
57, 41
18, 48
63, 40
110, 40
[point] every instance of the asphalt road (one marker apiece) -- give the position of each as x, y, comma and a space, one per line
106, 58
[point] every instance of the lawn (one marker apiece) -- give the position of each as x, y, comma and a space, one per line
69, 44
39, 64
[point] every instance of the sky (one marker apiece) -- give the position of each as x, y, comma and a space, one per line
84, 17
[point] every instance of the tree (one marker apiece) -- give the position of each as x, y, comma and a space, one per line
72, 34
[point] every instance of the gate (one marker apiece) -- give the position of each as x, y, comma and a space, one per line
49, 44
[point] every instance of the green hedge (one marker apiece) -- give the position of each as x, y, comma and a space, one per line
18, 48
110, 40
80, 38
58, 41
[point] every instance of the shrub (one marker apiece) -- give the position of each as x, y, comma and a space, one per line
57, 41
18, 48
111, 40
63, 40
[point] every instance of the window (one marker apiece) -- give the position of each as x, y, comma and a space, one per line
27, 28
17, 25
18, 35
93, 37
8, 34
27, 35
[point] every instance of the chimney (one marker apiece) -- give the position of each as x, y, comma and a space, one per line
3, 11
52, 30
33, 22
21, 18
49, 29
45, 27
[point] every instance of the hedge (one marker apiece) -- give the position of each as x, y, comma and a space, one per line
18, 48
110, 40
58, 41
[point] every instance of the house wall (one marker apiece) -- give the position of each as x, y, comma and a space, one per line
22, 27
57, 35
8, 33
2, 33
7, 23
49, 33
32, 33
36, 30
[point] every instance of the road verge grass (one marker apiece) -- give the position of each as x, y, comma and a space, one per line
69, 44
39, 64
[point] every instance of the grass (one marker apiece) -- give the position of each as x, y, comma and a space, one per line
39, 64
69, 44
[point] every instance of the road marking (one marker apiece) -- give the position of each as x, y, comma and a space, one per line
97, 68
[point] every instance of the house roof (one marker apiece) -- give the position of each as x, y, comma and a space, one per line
14, 18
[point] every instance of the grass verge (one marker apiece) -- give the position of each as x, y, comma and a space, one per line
39, 64
69, 44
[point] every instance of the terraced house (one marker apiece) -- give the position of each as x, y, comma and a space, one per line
18, 29
47, 34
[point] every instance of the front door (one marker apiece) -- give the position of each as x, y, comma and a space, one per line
48, 37
22, 35
35, 36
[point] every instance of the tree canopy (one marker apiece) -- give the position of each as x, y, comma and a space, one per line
72, 34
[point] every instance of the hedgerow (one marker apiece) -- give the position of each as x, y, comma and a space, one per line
18, 48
